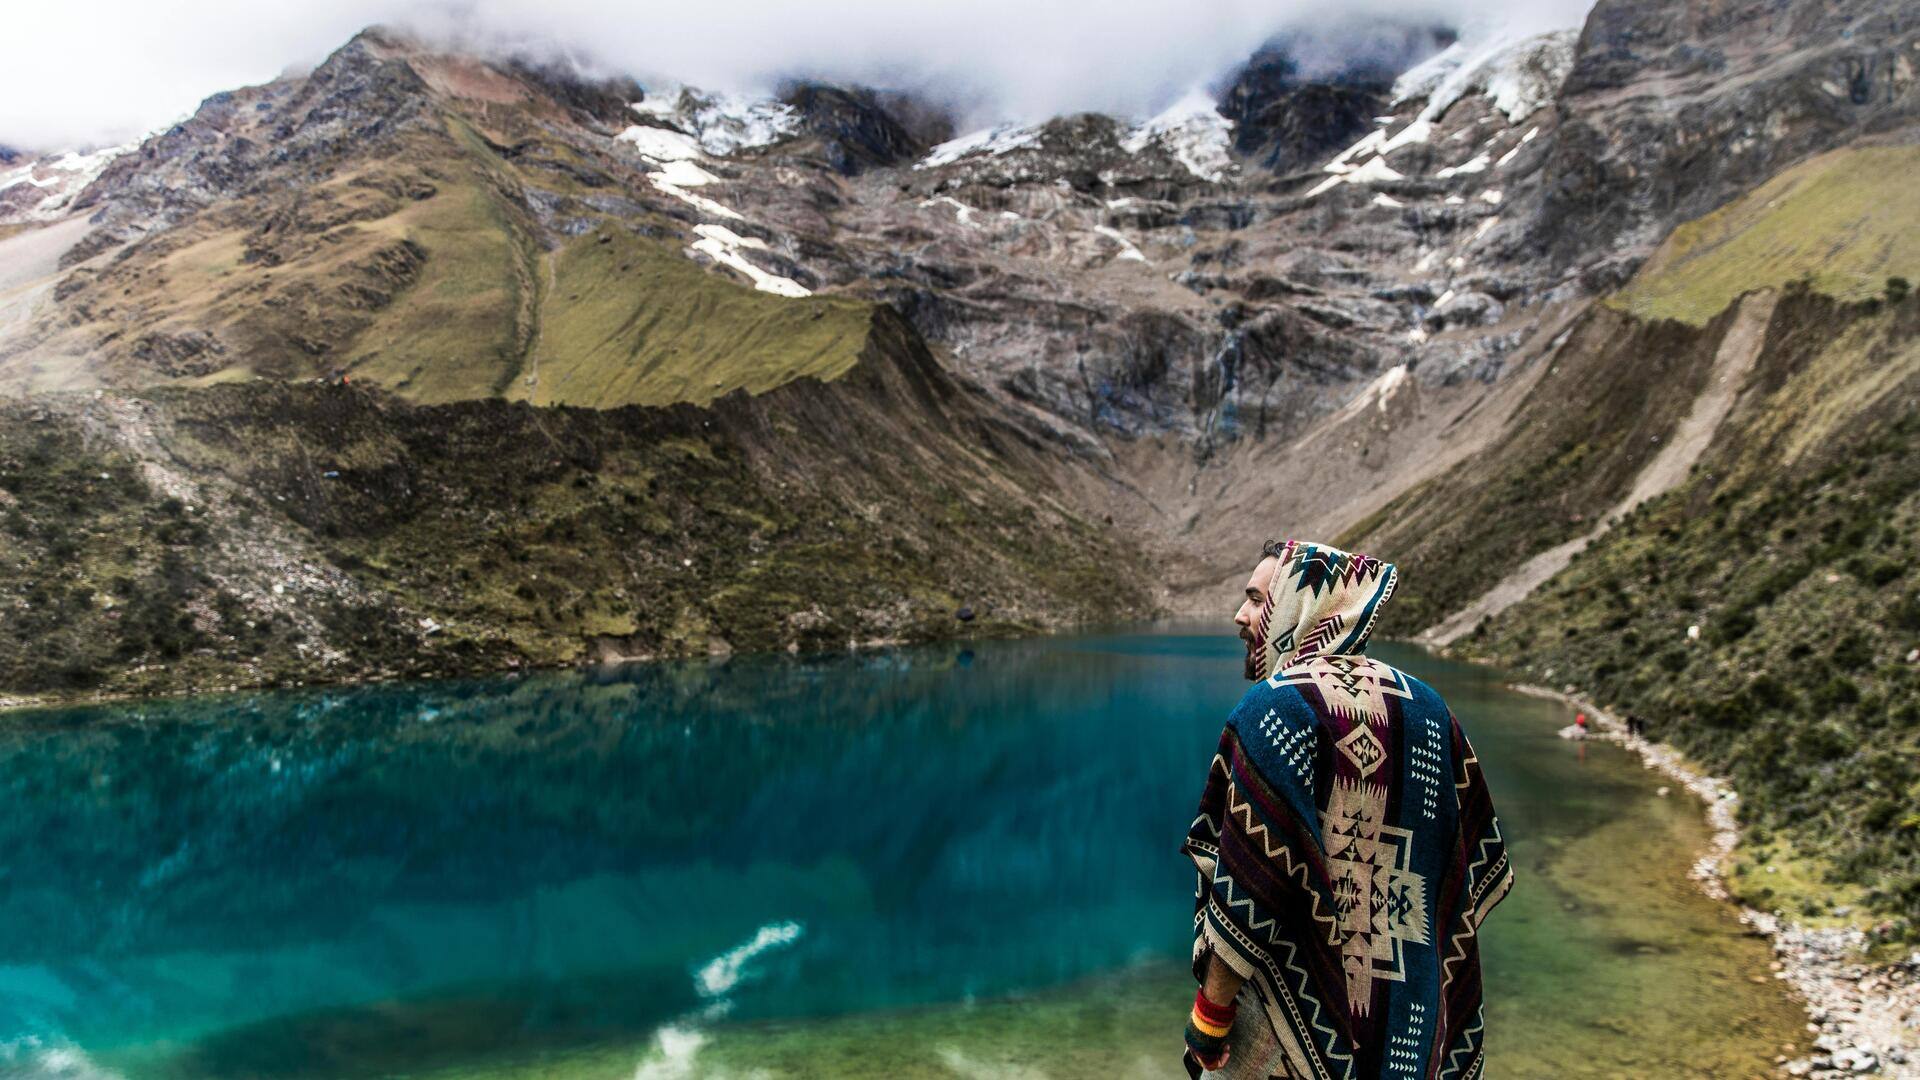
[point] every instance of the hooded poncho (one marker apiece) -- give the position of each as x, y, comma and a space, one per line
1346, 845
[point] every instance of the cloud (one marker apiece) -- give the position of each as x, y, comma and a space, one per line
114, 69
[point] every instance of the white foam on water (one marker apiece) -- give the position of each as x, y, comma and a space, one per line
676, 1045
724, 972
34, 1058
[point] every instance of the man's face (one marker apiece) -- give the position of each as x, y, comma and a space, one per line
1248, 617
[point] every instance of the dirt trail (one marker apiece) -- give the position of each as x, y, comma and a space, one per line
1731, 363
29, 262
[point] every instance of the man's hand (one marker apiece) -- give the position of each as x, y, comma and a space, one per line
1207, 1029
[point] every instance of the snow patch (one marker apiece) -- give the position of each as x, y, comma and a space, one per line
1369, 144
1515, 152
1416, 132
1376, 393
1492, 197
1478, 164
63, 177
724, 246
991, 142
962, 212
1192, 131
722, 123
660, 144
1383, 199
1127, 250
698, 202
684, 174
1373, 171
676, 155
1388, 384
1520, 74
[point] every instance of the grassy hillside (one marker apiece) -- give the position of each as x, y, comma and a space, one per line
630, 321
480, 257
262, 533
1793, 549
1609, 398
1843, 220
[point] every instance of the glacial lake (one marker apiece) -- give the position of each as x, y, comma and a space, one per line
946, 861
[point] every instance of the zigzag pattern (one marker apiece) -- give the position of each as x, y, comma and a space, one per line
1301, 990
1469, 913
1315, 568
1324, 633
1253, 828
1469, 1045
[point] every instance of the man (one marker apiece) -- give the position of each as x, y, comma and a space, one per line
1346, 846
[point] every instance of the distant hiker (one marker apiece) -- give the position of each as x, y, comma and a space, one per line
1346, 846
1580, 721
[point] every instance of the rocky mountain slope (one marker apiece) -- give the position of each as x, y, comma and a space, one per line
1488, 307
274, 533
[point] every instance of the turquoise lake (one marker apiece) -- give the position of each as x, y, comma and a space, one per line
948, 861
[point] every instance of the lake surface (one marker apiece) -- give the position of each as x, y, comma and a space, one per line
945, 862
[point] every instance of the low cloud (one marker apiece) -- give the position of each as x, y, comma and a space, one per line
115, 69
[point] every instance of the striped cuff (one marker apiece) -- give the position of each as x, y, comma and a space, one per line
1207, 1029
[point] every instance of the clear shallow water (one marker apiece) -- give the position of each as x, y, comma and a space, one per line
942, 861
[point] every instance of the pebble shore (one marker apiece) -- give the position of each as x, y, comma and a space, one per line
1864, 1017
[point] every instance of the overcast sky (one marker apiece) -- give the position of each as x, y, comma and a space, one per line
110, 70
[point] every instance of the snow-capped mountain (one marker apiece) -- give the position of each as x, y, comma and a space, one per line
44, 188
1169, 309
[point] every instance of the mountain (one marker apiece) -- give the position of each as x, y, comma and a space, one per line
427, 362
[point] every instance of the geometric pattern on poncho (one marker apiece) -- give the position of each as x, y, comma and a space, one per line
1381, 902
1346, 847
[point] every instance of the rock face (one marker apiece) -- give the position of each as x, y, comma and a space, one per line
1670, 113
1179, 309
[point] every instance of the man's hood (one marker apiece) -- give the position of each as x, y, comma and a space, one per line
1321, 602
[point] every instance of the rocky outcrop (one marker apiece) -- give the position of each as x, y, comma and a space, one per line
1669, 114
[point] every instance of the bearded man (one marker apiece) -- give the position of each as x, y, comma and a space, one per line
1346, 848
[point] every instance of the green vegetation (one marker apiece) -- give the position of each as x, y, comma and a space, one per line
1844, 221
341, 532
99, 573
631, 321
1793, 549
1599, 413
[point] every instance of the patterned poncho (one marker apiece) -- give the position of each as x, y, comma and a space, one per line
1347, 847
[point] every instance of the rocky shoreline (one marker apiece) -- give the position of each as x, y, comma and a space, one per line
1864, 1017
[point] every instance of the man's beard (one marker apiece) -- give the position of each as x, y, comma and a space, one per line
1254, 661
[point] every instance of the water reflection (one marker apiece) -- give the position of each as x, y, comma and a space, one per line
942, 822
569, 874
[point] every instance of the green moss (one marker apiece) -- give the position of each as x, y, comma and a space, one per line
1843, 221
631, 321
1793, 548
487, 534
